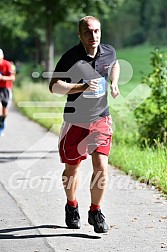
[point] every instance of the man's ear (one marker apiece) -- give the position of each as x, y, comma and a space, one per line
79, 35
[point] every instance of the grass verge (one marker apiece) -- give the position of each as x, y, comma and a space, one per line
147, 165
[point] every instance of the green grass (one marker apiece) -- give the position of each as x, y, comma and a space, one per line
147, 164
139, 59
44, 111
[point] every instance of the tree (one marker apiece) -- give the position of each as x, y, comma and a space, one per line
138, 21
45, 15
11, 27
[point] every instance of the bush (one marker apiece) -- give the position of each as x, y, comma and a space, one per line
25, 74
152, 114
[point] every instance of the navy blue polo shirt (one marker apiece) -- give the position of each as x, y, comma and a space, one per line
78, 67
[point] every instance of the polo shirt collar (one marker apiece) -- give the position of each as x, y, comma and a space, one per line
100, 50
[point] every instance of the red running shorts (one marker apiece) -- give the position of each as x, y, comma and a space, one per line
79, 140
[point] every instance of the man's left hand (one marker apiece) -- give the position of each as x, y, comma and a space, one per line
114, 91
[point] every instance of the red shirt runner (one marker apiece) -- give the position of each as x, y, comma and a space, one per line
6, 69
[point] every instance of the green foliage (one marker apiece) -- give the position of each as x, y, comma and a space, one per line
135, 38
125, 130
43, 108
10, 21
157, 21
25, 73
137, 21
28, 29
152, 114
147, 165
47, 15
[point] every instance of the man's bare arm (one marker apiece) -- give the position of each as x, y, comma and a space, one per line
114, 77
61, 87
7, 78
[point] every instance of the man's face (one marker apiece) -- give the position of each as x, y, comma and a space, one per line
90, 34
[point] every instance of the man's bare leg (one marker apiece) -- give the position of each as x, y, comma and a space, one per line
4, 111
99, 177
70, 181
1, 109
97, 189
3, 114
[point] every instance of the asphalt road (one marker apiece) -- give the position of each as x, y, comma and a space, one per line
32, 200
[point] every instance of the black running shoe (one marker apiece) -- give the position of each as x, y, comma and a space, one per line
96, 218
72, 218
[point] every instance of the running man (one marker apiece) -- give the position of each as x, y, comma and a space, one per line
7, 77
84, 73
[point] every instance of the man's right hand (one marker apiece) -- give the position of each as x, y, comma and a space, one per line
92, 85
1, 77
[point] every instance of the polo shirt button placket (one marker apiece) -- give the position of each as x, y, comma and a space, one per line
96, 67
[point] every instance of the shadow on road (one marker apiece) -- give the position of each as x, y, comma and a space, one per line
27, 151
4, 235
4, 159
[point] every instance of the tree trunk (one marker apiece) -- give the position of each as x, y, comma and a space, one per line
49, 46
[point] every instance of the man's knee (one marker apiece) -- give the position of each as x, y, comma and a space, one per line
71, 169
100, 163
